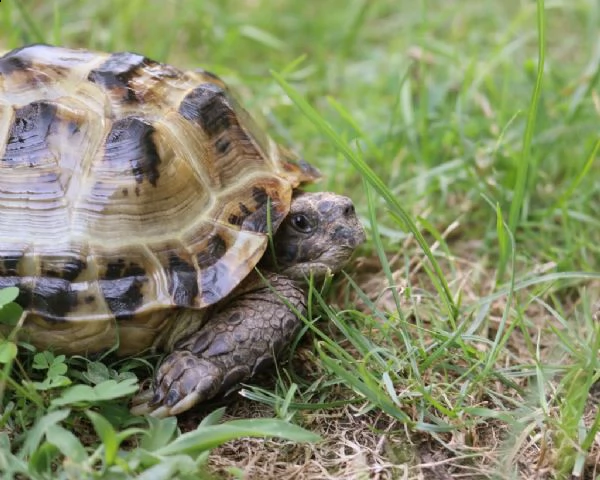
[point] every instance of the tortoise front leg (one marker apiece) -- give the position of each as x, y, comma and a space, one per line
238, 340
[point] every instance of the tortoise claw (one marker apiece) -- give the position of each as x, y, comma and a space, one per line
182, 381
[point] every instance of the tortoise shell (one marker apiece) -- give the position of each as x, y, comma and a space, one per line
128, 186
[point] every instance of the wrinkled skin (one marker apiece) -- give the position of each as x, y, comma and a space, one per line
246, 331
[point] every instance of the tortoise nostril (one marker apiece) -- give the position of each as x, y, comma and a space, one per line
349, 210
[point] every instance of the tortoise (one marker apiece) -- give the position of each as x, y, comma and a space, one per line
137, 202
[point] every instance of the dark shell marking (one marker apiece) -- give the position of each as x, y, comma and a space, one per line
129, 187
8, 264
131, 140
183, 280
11, 62
116, 73
27, 138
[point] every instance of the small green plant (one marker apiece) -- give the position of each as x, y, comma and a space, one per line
159, 451
45, 422
55, 368
10, 313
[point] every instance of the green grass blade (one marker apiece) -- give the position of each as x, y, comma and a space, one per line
526, 159
206, 438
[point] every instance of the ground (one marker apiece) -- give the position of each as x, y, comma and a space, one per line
460, 342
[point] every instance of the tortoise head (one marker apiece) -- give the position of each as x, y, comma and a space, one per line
318, 236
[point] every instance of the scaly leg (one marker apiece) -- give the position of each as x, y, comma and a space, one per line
241, 337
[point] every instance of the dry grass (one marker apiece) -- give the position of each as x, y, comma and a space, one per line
373, 445
354, 446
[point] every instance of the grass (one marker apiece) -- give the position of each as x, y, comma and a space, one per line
461, 341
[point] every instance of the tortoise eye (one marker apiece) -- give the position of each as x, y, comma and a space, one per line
302, 223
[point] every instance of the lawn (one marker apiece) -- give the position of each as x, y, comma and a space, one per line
461, 340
